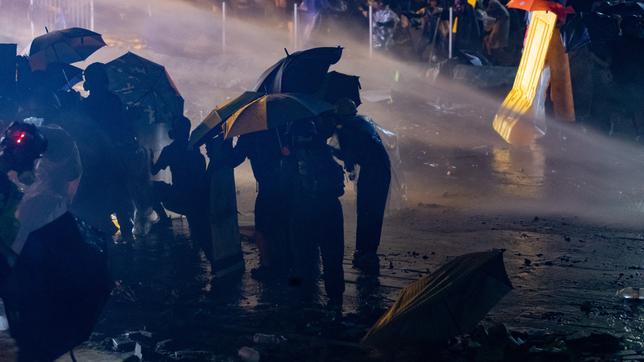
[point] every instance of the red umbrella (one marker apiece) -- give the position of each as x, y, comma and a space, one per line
529, 5
543, 5
64, 46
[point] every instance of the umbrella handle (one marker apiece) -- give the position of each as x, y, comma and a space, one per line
66, 78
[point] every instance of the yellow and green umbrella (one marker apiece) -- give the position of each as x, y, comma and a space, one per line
448, 302
211, 125
272, 111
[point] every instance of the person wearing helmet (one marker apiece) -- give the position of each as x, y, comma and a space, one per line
360, 145
21, 145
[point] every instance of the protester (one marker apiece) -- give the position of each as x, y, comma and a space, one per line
107, 113
360, 145
316, 219
185, 195
496, 42
385, 25
265, 150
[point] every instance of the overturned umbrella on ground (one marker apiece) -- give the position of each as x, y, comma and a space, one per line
211, 125
272, 111
300, 72
145, 86
444, 304
64, 46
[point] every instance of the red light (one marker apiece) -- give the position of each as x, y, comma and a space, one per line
21, 136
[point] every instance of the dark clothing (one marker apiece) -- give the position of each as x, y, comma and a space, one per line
264, 150
468, 33
318, 223
187, 193
187, 165
360, 144
108, 112
373, 191
316, 219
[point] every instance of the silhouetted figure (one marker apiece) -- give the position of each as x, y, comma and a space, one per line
104, 188
316, 219
264, 150
361, 145
185, 195
104, 107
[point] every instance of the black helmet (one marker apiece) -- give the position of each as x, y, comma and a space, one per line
22, 144
96, 77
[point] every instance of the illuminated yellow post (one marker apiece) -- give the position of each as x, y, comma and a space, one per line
543, 46
563, 104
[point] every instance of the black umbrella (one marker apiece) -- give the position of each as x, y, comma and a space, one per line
144, 85
56, 290
300, 72
211, 125
340, 85
64, 46
446, 303
60, 76
272, 111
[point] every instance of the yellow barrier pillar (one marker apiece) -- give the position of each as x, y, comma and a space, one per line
513, 119
560, 82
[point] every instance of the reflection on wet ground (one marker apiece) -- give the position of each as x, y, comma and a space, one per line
565, 274
468, 191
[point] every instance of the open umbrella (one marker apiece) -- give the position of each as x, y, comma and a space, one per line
529, 5
446, 303
60, 75
145, 85
56, 290
272, 111
211, 125
64, 46
300, 72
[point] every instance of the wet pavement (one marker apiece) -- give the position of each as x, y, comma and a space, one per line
565, 273
565, 262
567, 211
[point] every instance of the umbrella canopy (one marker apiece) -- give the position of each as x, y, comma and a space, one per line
64, 46
529, 5
272, 111
446, 303
300, 72
339, 85
211, 125
56, 290
60, 75
145, 85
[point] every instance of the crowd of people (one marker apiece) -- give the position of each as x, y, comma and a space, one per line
414, 30
96, 168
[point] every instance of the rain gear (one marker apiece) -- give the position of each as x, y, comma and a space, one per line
316, 219
360, 144
446, 303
